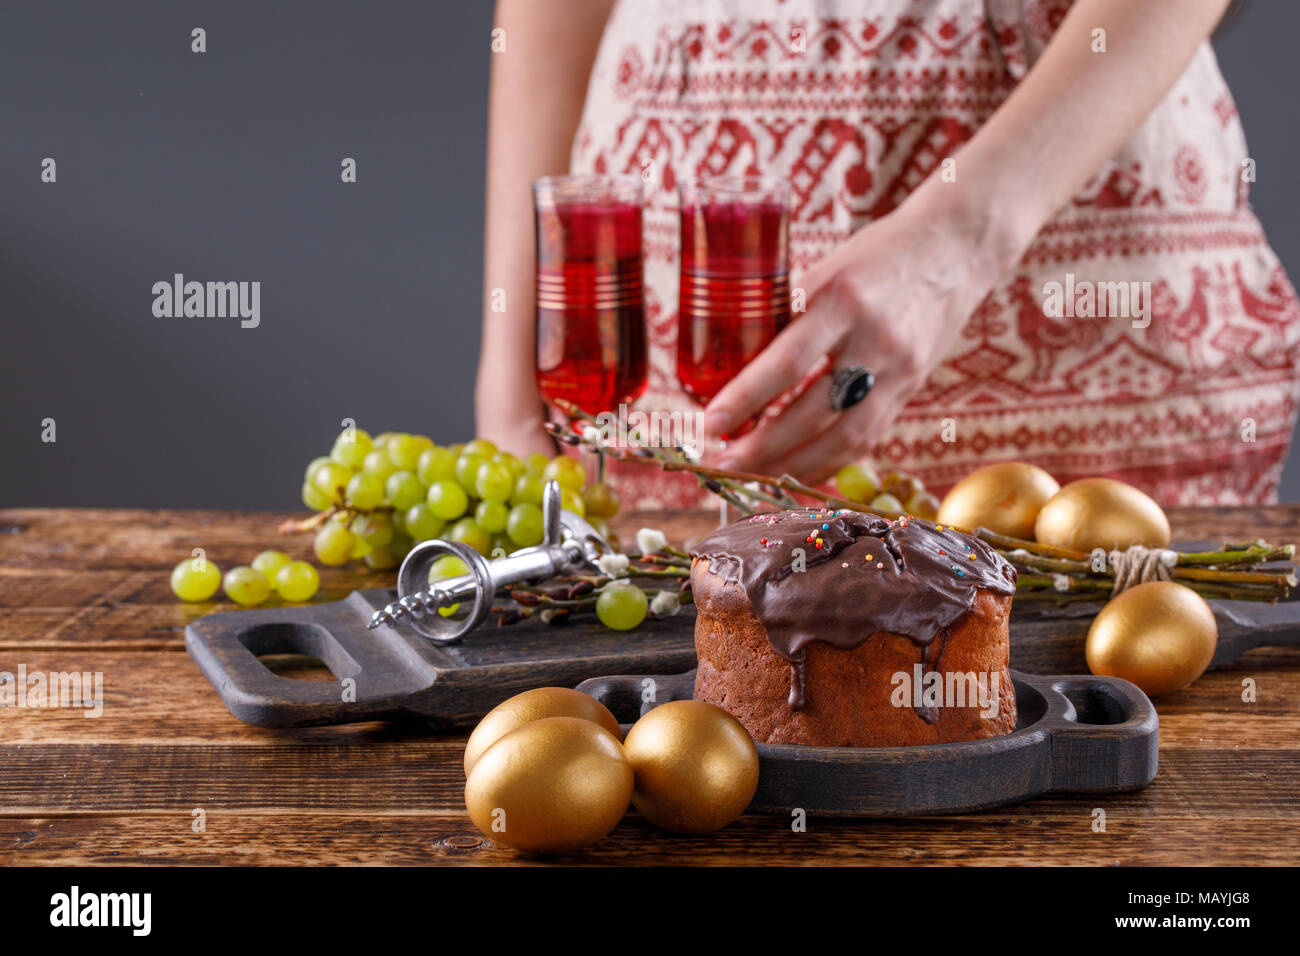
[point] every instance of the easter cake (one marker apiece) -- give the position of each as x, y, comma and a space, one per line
839, 628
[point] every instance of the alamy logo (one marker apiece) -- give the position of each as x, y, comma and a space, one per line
208, 300
933, 689
1098, 300
82, 689
74, 908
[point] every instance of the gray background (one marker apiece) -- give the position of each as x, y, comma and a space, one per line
225, 166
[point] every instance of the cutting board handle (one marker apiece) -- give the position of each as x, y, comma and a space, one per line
375, 670
1104, 731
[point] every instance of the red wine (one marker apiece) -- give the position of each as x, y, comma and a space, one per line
735, 290
591, 338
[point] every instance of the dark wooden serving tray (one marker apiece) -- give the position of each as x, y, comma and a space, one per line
394, 671
1081, 734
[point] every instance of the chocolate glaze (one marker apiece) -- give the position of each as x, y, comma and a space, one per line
902, 577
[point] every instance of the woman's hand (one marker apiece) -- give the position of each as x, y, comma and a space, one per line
892, 298
510, 430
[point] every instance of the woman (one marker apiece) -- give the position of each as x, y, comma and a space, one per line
962, 170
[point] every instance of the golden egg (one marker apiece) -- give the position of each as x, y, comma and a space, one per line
1159, 635
1005, 498
1101, 513
535, 705
552, 785
696, 766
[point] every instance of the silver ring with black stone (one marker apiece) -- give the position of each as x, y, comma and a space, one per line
850, 385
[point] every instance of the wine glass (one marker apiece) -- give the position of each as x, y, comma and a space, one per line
734, 296
591, 337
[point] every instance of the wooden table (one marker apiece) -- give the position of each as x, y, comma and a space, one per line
88, 591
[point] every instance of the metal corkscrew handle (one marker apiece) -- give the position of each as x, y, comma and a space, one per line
568, 543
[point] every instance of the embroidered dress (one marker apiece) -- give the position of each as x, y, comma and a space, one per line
856, 103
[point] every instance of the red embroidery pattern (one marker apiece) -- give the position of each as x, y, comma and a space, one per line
856, 111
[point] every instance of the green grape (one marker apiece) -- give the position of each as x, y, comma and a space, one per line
501, 546
297, 581
525, 526
600, 500
365, 491
404, 489
195, 579
378, 465
382, 559
312, 497
333, 544
528, 490
601, 527
315, 463
437, 464
467, 467
535, 463
510, 461
351, 450
448, 566
567, 471
572, 501
858, 482
467, 531
422, 524
331, 479
359, 548
381, 440
481, 447
621, 606
404, 450
424, 441
375, 530
246, 586
886, 503
401, 544
492, 516
270, 562
493, 482
447, 500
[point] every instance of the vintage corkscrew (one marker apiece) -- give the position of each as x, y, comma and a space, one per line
569, 544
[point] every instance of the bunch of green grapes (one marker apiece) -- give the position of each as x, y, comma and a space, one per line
899, 492
272, 572
392, 491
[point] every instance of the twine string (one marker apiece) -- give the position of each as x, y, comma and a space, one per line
1138, 565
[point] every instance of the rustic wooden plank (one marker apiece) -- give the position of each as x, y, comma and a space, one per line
313, 839
378, 776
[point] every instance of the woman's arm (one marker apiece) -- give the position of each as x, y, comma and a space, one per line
897, 292
538, 85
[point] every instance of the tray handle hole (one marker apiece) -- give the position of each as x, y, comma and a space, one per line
299, 651
297, 667
1096, 704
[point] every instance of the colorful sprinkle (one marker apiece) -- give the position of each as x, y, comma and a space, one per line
879, 565
845, 564
826, 527
870, 557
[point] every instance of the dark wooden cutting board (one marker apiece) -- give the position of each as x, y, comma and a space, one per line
394, 671
1080, 734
